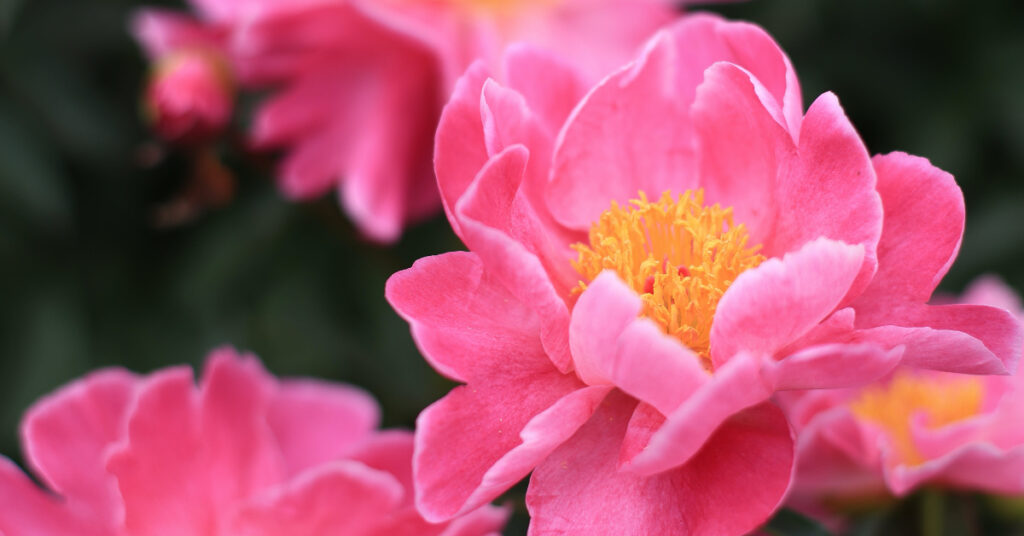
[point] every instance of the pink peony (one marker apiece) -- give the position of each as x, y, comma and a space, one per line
624, 347
356, 86
914, 428
190, 95
242, 454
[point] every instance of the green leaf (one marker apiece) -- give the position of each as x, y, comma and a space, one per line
790, 523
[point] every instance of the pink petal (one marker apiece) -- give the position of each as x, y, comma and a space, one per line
578, 490
551, 87
745, 45
459, 150
807, 284
741, 148
978, 466
992, 291
162, 32
610, 344
970, 339
341, 497
451, 303
485, 212
629, 134
314, 422
390, 451
67, 436
29, 511
189, 455
734, 386
482, 438
924, 221
829, 190
833, 366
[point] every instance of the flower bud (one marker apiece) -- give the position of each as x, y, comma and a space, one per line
190, 96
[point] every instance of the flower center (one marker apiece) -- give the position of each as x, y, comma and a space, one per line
944, 399
678, 254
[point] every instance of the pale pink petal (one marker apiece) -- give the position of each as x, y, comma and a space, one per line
162, 32
833, 366
978, 466
67, 435
734, 386
390, 451
453, 306
315, 422
630, 133
611, 345
482, 438
971, 339
806, 285
578, 489
341, 497
485, 212
992, 291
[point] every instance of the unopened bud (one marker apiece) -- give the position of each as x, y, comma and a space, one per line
190, 96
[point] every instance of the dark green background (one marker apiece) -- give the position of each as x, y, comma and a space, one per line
87, 281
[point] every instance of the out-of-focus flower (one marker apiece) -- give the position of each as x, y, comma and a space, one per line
624, 347
914, 428
242, 454
356, 86
190, 94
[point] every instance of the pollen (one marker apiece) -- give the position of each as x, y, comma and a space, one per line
677, 253
944, 399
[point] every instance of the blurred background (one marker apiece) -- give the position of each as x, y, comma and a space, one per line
90, 275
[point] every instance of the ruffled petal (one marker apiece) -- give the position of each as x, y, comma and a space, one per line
482, 438
68, 434
309, 504
807, 285
314, 422
578, 489
833, 366
452, 302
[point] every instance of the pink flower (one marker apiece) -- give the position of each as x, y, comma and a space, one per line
242, 454
623, 347
190, 94
912, 429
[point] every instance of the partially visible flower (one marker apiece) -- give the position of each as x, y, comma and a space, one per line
190, 94
357, 86
651, 260
914, 428
241, 455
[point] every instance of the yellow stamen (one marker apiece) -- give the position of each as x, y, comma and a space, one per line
678, 254
944, 399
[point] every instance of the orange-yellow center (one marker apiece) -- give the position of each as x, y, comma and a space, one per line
678, 254
943, 399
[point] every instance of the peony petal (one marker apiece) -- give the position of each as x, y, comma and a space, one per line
162, 32
451, 302
924, 222
486, 214
29, 511
481, 439
833, 366
550, 86
655, 368
976, 466
578, 490
459, 149
314, 422
600, 315
629, 134
66, 437
970, 339
806, 285
734, 386
309, 505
